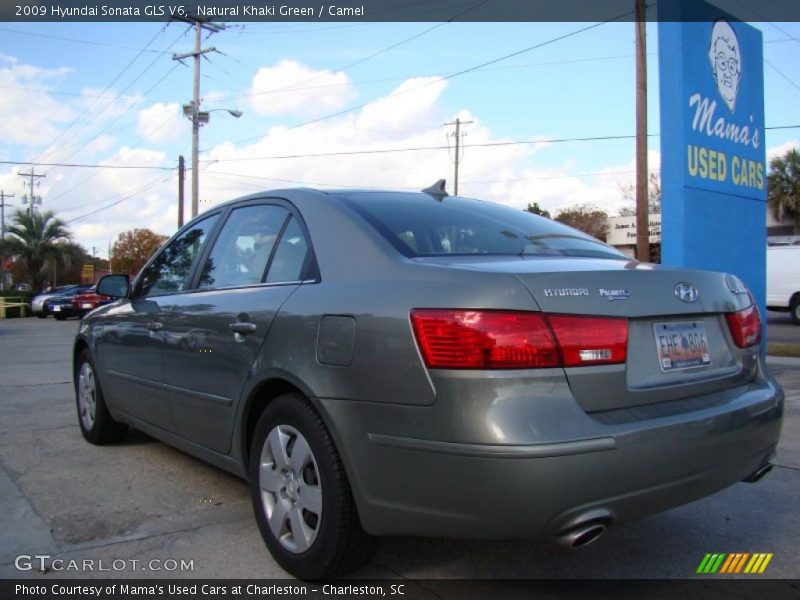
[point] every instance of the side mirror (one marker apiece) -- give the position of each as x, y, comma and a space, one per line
116, 286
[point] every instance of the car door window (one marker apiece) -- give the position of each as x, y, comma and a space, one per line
170, 271
290, 255
240, 254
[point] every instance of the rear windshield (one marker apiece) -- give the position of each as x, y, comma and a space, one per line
420, 225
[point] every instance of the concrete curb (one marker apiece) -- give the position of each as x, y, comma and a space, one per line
783, 361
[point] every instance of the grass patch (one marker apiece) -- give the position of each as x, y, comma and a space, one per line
791, 350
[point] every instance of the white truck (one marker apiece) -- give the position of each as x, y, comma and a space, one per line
783, 279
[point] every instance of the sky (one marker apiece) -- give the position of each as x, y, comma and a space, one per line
110, 94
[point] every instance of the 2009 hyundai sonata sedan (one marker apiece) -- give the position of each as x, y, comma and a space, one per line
386, 363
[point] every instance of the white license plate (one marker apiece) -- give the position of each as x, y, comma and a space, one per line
86, 305
681, 345
56, 308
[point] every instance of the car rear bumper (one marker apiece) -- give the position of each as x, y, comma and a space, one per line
410, 486
65, 310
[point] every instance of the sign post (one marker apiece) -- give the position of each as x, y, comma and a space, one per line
713, 162
87, 273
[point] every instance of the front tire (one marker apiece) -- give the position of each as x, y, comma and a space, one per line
97, 425
301, 496
794, 307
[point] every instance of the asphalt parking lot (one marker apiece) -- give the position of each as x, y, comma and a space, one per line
780, 329
142, 500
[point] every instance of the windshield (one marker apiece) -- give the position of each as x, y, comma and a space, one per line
420, 225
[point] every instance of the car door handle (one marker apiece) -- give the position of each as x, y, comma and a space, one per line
155, 326
242, 327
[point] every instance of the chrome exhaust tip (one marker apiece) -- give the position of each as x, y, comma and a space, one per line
758, 473
582, 535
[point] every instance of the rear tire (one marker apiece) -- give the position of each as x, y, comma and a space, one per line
298, 484
794, 307
97, 425
41, 315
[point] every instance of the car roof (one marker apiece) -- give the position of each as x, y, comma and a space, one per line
289, 193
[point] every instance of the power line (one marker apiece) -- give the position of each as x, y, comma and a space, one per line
119, 94
80, 165
782, 74
445, 147
314, 183
144, 136
121, 200
405, 77
421, 148
452, 75
471, 181
79, 41
108, 87
45, 91
271, 32
348, 152
84, 143
297, 86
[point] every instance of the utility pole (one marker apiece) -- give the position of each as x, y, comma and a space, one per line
3, 205
457, 135
34, 199
192, 110
181, 180
642, 206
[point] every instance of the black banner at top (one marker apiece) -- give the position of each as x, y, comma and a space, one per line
368, 10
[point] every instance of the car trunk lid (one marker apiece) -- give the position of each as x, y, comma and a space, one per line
673, 314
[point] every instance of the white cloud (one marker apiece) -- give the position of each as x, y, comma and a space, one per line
781, 149
29, 117
411, 116
160, 122
324, 91
408, 104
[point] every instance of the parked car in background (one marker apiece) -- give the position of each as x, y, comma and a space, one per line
388, 363
87, 300
783, 279
60, 306
37, 302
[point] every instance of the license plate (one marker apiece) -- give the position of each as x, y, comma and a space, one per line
86, 305
56, 308
682, 345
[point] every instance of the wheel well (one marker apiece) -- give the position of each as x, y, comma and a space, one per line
795, 298
79, 347
261, 396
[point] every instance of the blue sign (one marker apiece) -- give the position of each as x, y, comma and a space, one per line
713, 161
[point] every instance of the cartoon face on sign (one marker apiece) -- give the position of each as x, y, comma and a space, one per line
726, 61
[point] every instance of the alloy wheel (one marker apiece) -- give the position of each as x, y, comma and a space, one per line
87, 395
291, 489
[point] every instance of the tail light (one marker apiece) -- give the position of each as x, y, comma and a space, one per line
483, 339
745, 326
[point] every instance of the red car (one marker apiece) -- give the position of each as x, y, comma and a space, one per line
88, 300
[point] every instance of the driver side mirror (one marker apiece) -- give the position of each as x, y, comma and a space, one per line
116, 286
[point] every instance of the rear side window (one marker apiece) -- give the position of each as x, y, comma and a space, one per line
419, 225
290, 255
170, 271
242, 250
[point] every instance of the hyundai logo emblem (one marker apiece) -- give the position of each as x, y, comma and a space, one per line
686, 292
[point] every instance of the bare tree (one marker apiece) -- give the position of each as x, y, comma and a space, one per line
587, 218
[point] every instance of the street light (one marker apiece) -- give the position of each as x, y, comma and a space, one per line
198, 118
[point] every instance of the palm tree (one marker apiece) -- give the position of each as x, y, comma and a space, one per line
36, 240
783, 187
